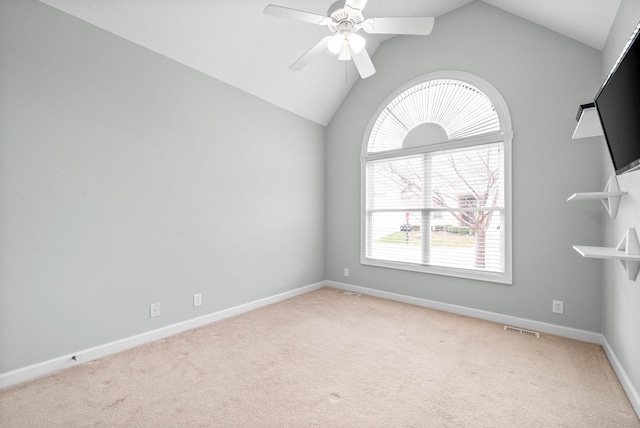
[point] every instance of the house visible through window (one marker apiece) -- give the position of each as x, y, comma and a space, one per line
436, 180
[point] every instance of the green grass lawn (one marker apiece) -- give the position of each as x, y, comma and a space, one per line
438, 239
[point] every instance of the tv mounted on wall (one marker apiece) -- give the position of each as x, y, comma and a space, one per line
618, 105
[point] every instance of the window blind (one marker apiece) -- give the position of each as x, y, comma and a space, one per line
441, 208
460, 108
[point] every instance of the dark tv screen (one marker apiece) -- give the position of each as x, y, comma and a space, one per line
618, 105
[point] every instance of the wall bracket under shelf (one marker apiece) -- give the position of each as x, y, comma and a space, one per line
627, 252
610, 197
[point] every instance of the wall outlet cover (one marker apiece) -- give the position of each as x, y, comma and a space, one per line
558, 307
154, 310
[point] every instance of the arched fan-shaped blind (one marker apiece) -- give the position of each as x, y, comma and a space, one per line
460, 108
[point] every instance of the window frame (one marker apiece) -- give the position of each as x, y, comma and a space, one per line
504, 135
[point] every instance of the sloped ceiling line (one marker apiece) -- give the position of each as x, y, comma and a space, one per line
198, 33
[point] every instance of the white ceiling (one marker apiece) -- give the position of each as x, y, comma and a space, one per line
231, 40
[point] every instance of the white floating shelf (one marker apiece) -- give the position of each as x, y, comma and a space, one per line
605, 253
588, 122
594, 196
610, 197
627, 251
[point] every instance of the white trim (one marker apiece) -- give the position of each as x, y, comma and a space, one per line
447, 145
495, 277
47, 367
632, 393
572, 333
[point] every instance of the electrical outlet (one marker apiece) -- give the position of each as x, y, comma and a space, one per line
154, 310
346, 271
558, 307
197, 300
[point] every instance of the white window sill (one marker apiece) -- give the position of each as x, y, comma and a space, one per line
497, 277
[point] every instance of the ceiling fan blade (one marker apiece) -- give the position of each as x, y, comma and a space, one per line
297, 15
310, 55
363, 63
356, 4
418, 26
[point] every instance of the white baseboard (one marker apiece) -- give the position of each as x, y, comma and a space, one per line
47, 367
628, 387
572, 333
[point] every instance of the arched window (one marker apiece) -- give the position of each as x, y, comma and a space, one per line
436, 180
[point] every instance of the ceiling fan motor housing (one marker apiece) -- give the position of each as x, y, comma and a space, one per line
344, 19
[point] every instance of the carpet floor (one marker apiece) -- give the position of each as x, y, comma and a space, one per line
326, 359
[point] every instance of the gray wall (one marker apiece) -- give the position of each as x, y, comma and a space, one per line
127, 179
543, 77
621, 297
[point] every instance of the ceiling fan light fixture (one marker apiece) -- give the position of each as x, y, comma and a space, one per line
345, 53
336, 43
357, 42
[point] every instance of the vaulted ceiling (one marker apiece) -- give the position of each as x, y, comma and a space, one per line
233, 41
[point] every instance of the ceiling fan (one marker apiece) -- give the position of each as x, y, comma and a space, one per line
344, 18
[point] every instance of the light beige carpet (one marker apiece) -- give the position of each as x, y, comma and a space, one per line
325, 359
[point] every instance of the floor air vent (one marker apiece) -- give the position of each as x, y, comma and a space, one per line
521, 331
351, 293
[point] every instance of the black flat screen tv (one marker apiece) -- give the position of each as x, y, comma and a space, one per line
618, 105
